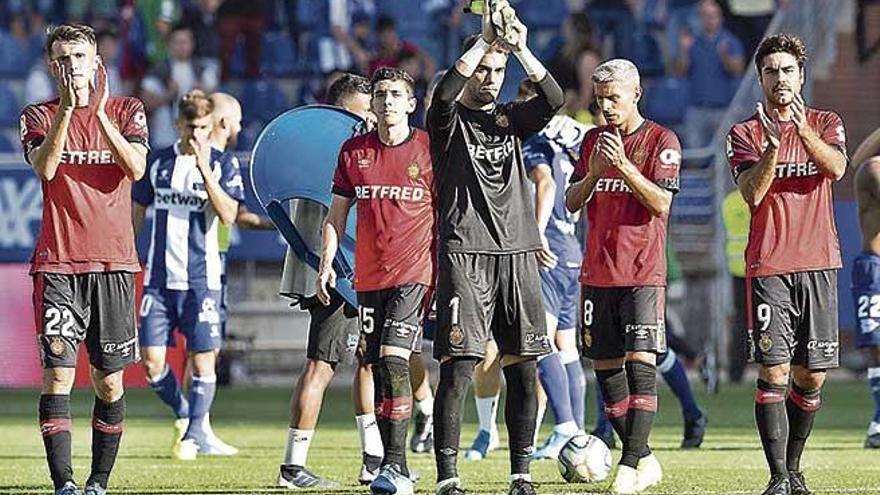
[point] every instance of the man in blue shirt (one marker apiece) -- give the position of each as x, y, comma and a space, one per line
192, 188
713, 62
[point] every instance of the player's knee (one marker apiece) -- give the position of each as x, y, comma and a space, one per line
154, 363
318, 372
58, 380
458, 372
777, 374
608, 364
204, 363
808, 380
642, 357
108, 387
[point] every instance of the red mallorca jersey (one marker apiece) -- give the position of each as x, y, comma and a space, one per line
626, 245
86, 225
393, 188
793, 228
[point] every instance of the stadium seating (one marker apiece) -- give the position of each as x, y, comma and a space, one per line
10, 105
278, 58
546, 14
7, 144
262, 101
15, 59
666, 100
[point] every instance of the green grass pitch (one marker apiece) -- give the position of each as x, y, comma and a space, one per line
255, 420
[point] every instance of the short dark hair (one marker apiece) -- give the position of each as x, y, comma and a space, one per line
393, 74
781, 43
180, 27
385, 22
106, 33
345, 86
195, 105
70, 33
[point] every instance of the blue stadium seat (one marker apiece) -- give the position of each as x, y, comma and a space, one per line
15, 59
541, 14
10, 106
666, 100
7, 145
278, 58
262, 101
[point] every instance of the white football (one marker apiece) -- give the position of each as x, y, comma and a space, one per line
584, 459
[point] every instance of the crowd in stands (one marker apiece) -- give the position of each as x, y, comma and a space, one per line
276, 54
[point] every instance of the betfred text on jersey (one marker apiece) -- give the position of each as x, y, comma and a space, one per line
91, 157
494, 155
400, 193
790, 170
612, 184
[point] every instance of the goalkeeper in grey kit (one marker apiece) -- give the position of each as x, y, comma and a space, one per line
488, 284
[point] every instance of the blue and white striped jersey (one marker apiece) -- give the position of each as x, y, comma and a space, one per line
557, 146
184, 251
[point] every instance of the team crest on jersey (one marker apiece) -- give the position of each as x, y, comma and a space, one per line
587, 337
456, 335
639, 156
501, 120
413, 171
56, 345
765, 343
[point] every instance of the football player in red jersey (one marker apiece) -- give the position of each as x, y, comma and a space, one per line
626, 177
784, 159
388, 172
87, 147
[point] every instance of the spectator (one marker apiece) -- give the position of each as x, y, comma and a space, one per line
200, 17
157, 17
17, 48
245, 18
359, 40
174, 76
749, 19
133, 44
390, 49
713, 63
573, 62
633, 26
108, 49
680, 15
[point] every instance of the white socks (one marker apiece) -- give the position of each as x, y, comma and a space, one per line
487, 410
368, 431
297, 449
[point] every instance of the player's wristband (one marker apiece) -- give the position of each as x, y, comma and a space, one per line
472, 57
533, 67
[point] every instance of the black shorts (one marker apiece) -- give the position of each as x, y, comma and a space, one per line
391, 317
333, 329
95, 308
793, 319
617, 320
483, 296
